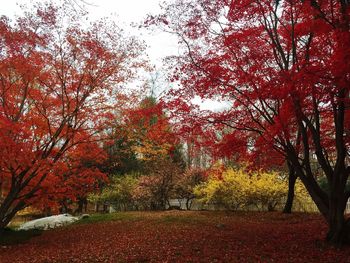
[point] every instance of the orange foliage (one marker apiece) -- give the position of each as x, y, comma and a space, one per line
59, 82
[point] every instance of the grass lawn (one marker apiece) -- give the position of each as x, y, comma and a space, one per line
175, 236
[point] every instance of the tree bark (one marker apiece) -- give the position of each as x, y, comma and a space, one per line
82, 205
339, 231
189, 203
339, 227
7, 215
292, 177
97, 207
9, 207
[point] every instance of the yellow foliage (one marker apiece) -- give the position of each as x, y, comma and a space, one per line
29, 211
149, 150
302, 199
230, 190
238, 189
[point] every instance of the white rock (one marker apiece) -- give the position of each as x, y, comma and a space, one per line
49, 222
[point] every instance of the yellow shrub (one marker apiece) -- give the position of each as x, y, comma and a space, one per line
302, 199
237, 189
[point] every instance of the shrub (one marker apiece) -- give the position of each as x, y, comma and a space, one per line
237, 189
119, 192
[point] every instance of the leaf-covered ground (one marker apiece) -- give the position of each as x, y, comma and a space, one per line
182, 237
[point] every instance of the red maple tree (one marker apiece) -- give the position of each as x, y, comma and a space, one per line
58, 78
284, 67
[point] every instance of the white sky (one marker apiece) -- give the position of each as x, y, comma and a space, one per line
125, 12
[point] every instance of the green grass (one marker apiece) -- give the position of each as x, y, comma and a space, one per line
180, 217
119, 216
11, 236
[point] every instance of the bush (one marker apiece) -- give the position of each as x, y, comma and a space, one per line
238, 189
154, 190
184, 186
118, 193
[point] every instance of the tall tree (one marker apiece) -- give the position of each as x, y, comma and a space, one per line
58, 79
283, 66
149, 130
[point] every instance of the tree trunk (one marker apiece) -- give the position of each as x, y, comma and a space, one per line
82, 205
4, 222
331, 204
188, 203
105, 206
97, 207
63, 207
292, 177
79, 209
85, 204
9, 207
339, 231
8, 211
339, 227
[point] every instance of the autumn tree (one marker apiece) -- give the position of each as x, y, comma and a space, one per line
143, 144
119, 192
283, 67
186, 183
121, 157
149, 130
157, 146
154, 189
78, 175
58, 78
140, 134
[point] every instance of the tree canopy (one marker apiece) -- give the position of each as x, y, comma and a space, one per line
57, 78
282, 66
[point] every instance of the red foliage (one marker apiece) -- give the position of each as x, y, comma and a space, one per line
76, 175
283, 66
150, 122
57, 85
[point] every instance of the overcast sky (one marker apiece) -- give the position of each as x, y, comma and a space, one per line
125, 12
